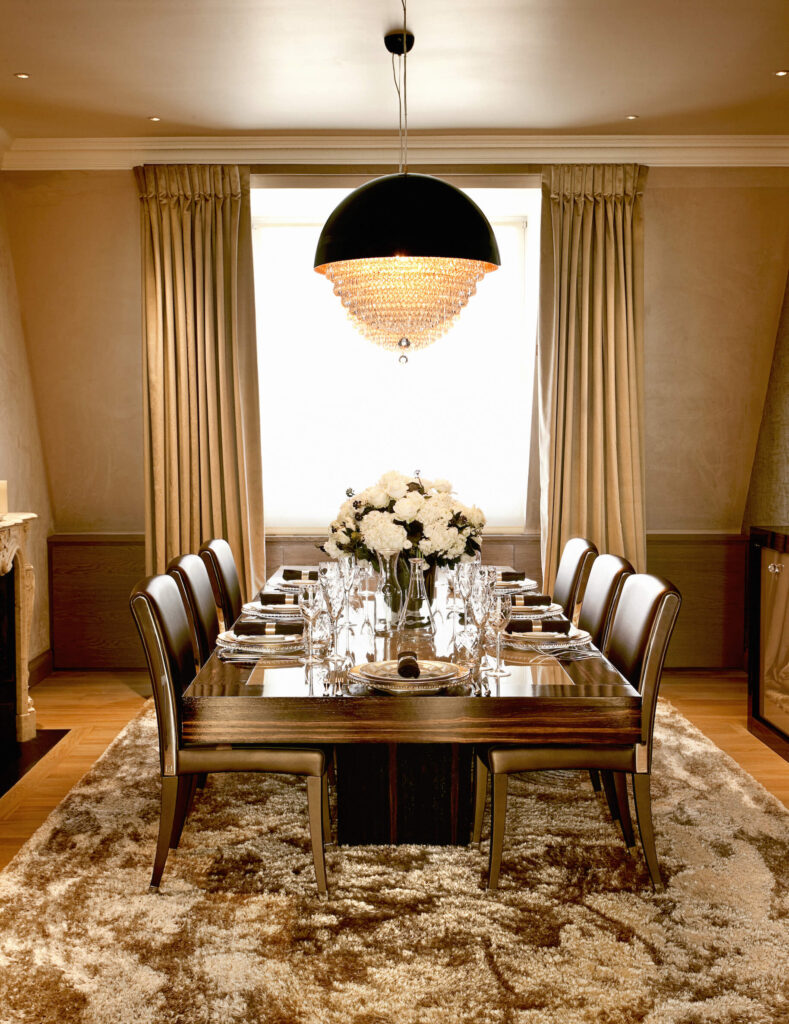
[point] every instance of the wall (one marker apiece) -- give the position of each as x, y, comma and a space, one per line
716, 261
768, 496
21, 457
75, 241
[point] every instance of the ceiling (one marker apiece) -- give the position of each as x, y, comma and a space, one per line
101, 68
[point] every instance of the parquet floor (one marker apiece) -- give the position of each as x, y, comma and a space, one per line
95, 706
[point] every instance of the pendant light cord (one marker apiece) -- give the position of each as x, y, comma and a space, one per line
400, 75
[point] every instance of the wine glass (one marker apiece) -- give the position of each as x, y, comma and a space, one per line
349, 572
334, 599
501, 610
466, 574
310, 605
366, 574
480, 603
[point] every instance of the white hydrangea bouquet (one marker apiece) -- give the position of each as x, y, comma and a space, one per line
409, 516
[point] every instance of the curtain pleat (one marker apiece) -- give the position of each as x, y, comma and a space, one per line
202, 417
590, 362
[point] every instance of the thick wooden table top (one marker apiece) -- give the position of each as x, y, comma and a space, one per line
543, 701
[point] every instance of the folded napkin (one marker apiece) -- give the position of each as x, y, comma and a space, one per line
530, 600
510, 577
407, 665
254, 627
308, 575
274, 597
541, 626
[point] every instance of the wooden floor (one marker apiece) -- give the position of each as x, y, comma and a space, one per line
95, 707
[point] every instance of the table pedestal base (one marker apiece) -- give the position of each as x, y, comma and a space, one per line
399, 793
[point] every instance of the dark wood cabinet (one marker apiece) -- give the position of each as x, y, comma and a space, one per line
768, 636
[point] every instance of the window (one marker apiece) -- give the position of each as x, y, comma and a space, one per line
337, 411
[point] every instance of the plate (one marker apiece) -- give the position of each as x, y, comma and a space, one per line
230, 639
429, 671
537, 611
546, 641
515, 586
271, 611
409, 687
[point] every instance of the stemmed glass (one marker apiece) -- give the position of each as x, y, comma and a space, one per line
465, 574
501, 610
334, 598
366, 574
481, 602
310, 606
349, 572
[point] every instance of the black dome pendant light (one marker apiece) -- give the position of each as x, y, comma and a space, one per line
405, 251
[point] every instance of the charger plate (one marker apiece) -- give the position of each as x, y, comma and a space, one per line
546, 641
434, 677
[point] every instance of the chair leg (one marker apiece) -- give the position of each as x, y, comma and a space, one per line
202, 778
594, 776
625, 821
315, 784
643, 801
183, 806
498, 821
175, 789
480, 793
325, 813
610, 793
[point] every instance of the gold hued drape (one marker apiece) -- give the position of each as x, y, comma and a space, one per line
201, 409
590, 361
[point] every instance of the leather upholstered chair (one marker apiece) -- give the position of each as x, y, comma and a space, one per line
194, 585
637, 642
218, 557
577, 557
159, 613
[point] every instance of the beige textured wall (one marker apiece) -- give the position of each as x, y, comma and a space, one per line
768, 497
716, 260
21, 457
75, 242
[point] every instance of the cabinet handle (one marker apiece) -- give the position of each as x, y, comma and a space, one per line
775, 567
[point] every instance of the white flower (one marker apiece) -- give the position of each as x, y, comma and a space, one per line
442, 486
376, 496
331, 549
407, 507
476, 517
381, 534
394, 483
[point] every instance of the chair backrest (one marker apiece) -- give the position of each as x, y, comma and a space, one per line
218, 557
194, 583
638, 640
603, 589
159, 613
577, 557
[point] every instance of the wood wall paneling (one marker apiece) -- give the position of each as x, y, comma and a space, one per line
91, 577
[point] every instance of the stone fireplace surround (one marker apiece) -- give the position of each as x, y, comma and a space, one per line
13, 543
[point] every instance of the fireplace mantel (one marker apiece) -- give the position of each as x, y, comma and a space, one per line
13, 552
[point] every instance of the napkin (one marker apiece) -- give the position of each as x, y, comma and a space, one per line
407, 665
510, 577
530, 600
541, 626
254, 627
274, 597
307, 575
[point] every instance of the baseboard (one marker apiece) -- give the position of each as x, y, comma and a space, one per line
39, 668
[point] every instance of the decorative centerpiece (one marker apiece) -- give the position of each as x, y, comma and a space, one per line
402, 520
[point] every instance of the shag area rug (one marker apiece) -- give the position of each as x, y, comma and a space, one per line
575, 933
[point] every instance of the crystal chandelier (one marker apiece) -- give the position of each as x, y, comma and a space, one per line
404, 252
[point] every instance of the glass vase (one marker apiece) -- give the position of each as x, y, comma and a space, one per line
388, 596
416, 615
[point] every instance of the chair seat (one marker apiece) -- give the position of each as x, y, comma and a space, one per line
505, 760
295, 760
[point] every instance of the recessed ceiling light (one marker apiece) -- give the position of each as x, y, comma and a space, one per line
632, 117
24, 74
154, 118
781, 74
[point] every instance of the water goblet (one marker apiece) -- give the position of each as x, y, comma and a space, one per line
334, 599
366, 574
310, 604
480, 604
501, 610
466, 574
349, 572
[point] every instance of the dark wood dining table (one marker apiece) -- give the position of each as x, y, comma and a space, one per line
404, 763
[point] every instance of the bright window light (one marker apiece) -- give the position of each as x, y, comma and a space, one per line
337, 411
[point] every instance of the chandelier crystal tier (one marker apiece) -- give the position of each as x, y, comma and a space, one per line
405, 252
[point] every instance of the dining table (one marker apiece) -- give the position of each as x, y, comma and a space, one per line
404, 763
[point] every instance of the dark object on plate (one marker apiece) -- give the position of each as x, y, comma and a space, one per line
541, 626
289, 575
530, 600
254, 627
511, 577
274, 597
407, 665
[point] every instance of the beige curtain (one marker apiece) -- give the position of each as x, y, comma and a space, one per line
202, 420
590, 362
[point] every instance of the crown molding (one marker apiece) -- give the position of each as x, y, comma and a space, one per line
310, 149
